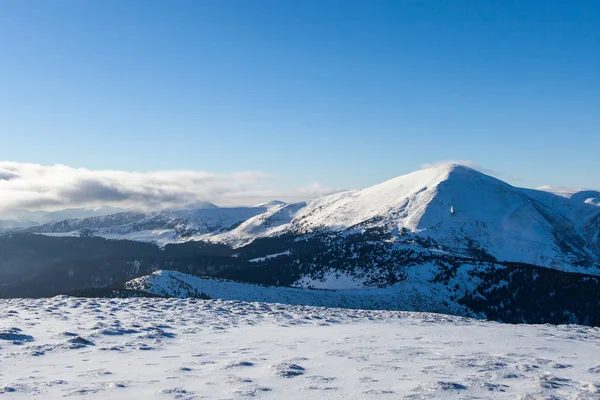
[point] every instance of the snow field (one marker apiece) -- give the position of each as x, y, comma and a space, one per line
192, 349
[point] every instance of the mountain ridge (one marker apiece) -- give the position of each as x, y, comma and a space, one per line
451, 206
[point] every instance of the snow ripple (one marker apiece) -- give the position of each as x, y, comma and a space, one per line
213, 349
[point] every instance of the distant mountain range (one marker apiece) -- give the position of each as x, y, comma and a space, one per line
466, 241
19, 219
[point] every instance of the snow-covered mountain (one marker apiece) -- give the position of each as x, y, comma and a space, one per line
44, 217
17, 220
79, 227
158, 227
582, 207
458, 208
450, 208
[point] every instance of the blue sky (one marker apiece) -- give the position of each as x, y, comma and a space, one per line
342, 93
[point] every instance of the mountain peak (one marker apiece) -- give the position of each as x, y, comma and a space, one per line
455, 169
448, 166
451, 173
203, 205
457, 174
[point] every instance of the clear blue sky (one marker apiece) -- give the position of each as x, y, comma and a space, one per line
344, 93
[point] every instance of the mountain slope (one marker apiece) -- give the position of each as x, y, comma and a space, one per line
468, 292
158, 227
90, 223
455, 207
182, 225
582, 207
176, 284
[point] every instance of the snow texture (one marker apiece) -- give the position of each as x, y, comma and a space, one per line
147, 348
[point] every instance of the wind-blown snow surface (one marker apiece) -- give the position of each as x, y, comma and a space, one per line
190, 349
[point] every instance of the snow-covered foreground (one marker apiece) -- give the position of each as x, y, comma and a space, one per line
186, 348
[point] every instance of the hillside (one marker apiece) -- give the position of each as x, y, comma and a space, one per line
504, 293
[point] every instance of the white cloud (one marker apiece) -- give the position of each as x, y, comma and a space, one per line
466, 163
40, 187
254, 197
564, 191
317, 190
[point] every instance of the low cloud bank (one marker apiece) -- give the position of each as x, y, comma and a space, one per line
41, 187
